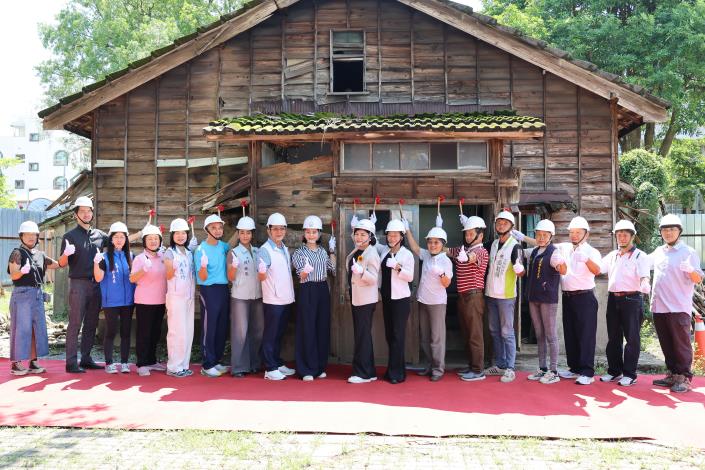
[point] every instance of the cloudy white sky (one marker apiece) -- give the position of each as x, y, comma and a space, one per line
21, 50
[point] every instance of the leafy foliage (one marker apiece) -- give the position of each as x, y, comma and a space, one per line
638, 166
686, 171
6, 199
92, 38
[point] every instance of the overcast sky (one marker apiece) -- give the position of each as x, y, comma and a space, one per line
21, 50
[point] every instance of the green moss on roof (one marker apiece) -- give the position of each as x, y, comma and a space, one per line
319, 123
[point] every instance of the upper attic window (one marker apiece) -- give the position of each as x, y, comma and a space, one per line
347, 52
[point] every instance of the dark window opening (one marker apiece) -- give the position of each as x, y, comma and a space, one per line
293, 153
348, 76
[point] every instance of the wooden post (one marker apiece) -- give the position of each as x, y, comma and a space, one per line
477, 72
124, 169
285, 108
315, 54
411, 57
614, 143
187, 149
217, 115
379, 57
157, 85
545, 136
511, 105
445, 65
580, 152
94, 159
252, 64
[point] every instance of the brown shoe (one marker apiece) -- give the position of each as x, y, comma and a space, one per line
665, 382
681, 384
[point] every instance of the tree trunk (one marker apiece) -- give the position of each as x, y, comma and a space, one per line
631, 141
673, 128
649, 133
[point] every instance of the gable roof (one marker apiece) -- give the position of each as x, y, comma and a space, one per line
584, 74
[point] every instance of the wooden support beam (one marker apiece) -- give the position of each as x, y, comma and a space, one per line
124, 157
579, 144
545, 139
400, 135
187, 149
157, 86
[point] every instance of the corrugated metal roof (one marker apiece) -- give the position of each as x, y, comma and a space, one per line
10, 220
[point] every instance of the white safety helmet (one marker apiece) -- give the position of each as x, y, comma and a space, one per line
670, 220
395, 225
579, 222
245, 223
314, 222
624, 225
179, 225
365, 224
150, 229
506, 215
118, 227
28, 227
474, 222
212, 219
276, 219
83, 201
546, 225
437, 232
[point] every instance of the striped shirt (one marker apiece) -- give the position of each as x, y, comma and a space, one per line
318, 259
470, 275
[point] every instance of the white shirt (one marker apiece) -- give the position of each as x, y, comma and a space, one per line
624, 271
401, 279
673, 289
431, 291
578, 276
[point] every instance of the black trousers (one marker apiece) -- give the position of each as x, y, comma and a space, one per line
149, 331
579, 331
396, 315
84, 307
113, 316
625, 315
312, 328
363, 364
673, 331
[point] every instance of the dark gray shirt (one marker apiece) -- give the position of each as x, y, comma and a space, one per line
86, 242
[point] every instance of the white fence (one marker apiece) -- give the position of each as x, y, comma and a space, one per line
694, 233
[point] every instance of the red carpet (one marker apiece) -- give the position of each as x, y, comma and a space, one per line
416, 407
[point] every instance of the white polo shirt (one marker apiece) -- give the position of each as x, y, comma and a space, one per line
578, 276
431, 291
673, 290
624, 271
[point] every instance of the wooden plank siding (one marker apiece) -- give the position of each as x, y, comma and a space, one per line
414, 64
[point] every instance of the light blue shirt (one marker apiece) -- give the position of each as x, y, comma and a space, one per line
246, 285
673, 289
217, 256
264, 254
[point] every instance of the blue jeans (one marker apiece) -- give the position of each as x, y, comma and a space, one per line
501, 317
27, 318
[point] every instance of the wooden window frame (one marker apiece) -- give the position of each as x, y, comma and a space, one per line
364, 63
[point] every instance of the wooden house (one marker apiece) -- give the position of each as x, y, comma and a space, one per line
305, 107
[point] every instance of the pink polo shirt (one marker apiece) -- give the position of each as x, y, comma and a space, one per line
151, 288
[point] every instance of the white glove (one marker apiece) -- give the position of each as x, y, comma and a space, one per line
331, 244
579, 257
463, 219
235, 262
204, 260
162, 249
518, 235
439, 220
193, 244
308, 269
357, 268
557, 259
69, 249
147, 264
261, 267
462, 256
645, 286
353, 221
437, 270
373, 217
518, 267
391, 262
26, 267
98, 257
686, 267
407, 226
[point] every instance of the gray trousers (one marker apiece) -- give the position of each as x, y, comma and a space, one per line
246, 329
84, 307
544, 317
432, 319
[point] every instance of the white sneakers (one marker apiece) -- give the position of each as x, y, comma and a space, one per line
538, 375
549, 378
359, 380
287, 371
274, 375
212, 372
509, 376
143, 371
610, 378
307, 378
322, 375
125, 368
221, 368
584, 380
626, 381
158, 367
111, 369
567, 374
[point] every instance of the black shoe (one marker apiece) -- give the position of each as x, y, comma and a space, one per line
393, 381
75, 369
238, 375
436, 378
91, 365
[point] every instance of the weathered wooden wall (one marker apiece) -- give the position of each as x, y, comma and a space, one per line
414, 64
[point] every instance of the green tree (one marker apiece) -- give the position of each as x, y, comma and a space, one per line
686, 171
92, 38
658, 44
6, 199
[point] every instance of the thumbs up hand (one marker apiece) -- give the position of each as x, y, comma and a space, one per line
391, 262
645, 286
261, 267
518, 267
357, 268
307, 267
204, 260
235, 263
26, 267
331, 244
686, 267
579, 257
69, 249
147, 264
98, 256
462, 256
